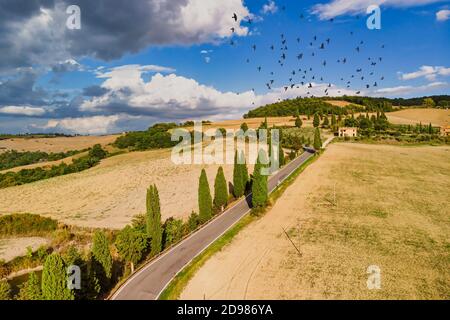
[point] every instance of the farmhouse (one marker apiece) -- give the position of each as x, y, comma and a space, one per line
445, 131
348, 132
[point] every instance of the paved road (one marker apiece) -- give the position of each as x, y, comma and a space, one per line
151, 280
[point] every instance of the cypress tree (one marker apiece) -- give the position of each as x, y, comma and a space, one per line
281, 157
54, 279
316, 121
204, 198
259, 184
298, 122
244, 172
220, 190
31, 289
326, 122
317, 139
333, 120
102, 254
153, 220
238, 186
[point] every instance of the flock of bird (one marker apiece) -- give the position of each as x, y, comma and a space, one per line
305, 75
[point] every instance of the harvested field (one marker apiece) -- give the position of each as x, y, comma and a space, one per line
357, 206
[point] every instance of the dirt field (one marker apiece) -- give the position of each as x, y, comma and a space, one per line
438, 117
58, 144
357, 206
110, 194
339, 103
253, 123
11, 248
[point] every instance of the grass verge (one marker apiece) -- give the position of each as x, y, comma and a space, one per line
179, 282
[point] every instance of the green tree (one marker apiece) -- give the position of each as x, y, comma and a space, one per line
316, 120
244, 127
173, 231
153, 220
429, 103
97, 152
220, 190
204, 198
317, 140
31, 289
54, 279
333, 120
325, 122
102, 253
244, 171
238, 186
193, 221
5, 290
298, 122
130, 244
259, 184
281, 157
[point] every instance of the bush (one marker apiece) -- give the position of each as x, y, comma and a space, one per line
173, 231
10, 179
26, 224
13, 158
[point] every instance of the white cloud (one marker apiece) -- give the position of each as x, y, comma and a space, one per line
213, 18
177, 97
406, 90
86, 125
128, 75
22, 110
443, 15
341, 7
270, 7
429, 72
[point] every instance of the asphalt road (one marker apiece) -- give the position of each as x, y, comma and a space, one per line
152, 279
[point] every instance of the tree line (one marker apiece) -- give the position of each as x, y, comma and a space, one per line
12, 158
9, 179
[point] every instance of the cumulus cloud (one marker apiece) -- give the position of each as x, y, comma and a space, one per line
176, 97
94, 125
443, 15
22, 110
270, 7
408, 90
110, 28
429, 72
341, 7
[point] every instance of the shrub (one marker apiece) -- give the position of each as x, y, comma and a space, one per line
26, 224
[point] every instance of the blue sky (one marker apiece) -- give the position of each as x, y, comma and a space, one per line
149, 61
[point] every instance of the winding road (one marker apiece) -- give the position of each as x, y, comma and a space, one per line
149, 281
